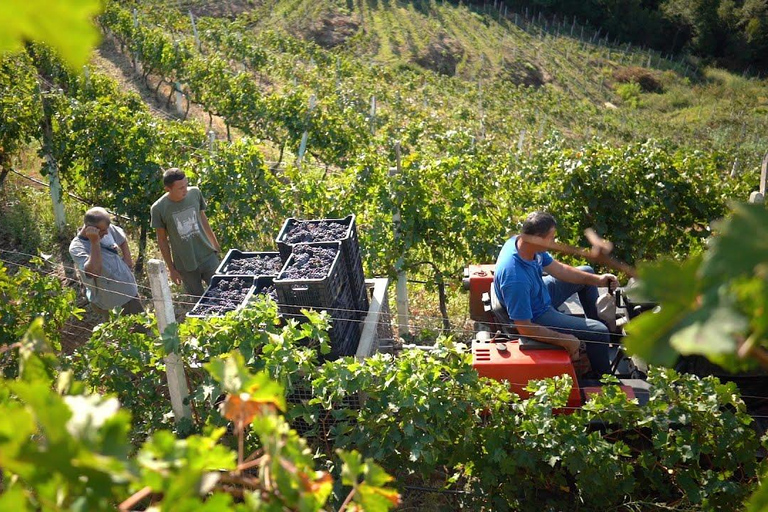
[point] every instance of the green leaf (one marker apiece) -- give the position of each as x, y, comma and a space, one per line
740, 245
170, 339
67, 25
759, 500
675, 287
230, 372
89, 414
377, 499
33, 364
14, 499
709, 332
352, 467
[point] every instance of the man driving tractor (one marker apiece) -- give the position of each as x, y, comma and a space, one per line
531, 300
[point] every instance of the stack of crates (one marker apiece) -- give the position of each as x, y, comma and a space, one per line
332, 293
351, 260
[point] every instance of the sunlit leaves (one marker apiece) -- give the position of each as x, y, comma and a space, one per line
740, 244
688, 321
66, 25
759, 501
246, 390
368, 481
710, 303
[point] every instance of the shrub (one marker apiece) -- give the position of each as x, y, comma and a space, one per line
630, 93
646, 79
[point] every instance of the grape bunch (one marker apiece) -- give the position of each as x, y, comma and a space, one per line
269, 291
226, 296
310, 262
305, 231
255, 266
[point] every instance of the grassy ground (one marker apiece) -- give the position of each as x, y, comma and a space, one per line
573, 74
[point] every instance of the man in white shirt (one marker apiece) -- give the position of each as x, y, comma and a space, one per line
100, 252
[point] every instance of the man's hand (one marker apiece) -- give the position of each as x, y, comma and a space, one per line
571, 343
609, 281
128, 261
91, 233
175, 276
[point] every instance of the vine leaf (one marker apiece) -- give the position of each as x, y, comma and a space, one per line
65, 25
170, 339
14, 499
370, 494
247, 392
741, 244
759, 501
675, 287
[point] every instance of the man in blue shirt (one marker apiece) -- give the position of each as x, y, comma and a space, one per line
531, 300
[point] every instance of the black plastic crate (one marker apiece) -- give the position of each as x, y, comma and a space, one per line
344, 335
286, 247
350, 247
331, 292
326, 420
261, 283
235, 254
206, 299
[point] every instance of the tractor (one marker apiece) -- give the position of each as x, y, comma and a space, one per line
498, 352
501, 354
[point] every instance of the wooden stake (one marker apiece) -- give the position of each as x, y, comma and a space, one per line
174, 369
402, 278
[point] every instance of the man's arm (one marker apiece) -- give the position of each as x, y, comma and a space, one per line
209, 231
546, 335
573, 275
93, 265
127, 258
165, 250
517, 301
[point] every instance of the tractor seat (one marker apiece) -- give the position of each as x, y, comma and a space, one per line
507, 326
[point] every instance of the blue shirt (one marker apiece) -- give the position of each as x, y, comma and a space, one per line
518, 283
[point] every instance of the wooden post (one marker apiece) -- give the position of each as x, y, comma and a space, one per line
56, 194
369, 342
338, 72
211, 141
194, 30
402, 282
136, 63
764, 174
174, 369
179, 98
305, 135
373, 115
52, 168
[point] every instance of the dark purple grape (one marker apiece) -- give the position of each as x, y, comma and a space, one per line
305, 231
225, 296
261, 265
310, 262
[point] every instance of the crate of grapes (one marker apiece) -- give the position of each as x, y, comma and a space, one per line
264, 285
295, 231
314, 277
224, 294
239, 263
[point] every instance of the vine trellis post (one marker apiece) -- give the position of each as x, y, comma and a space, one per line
174, 368
402, 278
51, 166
